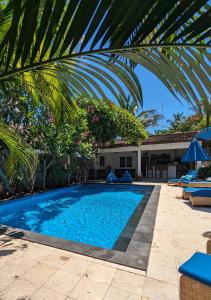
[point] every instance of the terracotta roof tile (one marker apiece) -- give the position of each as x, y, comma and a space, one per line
170, 138
162, 139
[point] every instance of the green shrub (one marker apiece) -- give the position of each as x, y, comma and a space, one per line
204, 172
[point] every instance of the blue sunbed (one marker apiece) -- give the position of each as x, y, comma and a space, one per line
201, 197
198, 267
202, 193
195, 282
188, 190
196, 183
191, 175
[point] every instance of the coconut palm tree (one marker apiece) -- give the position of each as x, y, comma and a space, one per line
79, 47
147, 117
177, 121
150, 117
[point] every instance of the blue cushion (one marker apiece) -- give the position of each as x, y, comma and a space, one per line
111, 177
126, 177
199, 181
198, 267
202, 193
186, 178
174, 180
194, 189
193, 173
191, 189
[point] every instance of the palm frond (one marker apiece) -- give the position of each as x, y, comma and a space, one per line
96, 39
20, 155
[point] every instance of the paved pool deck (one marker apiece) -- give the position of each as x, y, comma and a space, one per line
33, 271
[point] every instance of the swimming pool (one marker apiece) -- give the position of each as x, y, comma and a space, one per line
94, 214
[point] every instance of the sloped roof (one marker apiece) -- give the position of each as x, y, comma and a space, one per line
161, 139
170, 138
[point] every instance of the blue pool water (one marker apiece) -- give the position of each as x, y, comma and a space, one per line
90, 214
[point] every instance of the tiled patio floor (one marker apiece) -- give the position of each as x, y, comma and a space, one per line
32, 271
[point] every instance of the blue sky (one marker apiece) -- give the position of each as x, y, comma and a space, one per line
156, 96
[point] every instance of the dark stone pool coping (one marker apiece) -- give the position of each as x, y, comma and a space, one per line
132, 249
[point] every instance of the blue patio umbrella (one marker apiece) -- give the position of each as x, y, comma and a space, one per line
195, 152
204, 134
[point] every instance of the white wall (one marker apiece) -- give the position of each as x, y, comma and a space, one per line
113, 159
169, 146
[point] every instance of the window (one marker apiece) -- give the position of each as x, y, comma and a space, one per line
122, 162
126, 162
102, 161
129, 161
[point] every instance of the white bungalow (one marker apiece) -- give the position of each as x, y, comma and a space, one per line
158, 157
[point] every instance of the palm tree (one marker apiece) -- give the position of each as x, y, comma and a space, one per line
177, 121
148, 117
76, 47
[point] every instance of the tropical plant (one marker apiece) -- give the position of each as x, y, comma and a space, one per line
204, 172
182, 123
70, 145
94, 43
177, 121
148, 117
15, 156
79, 47
97, 123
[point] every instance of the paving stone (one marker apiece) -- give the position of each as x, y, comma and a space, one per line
47, 294
162, 273
129, 282
19, 266
55, 259
117, 294
62, 282
159, 290
5, 279
100, 273
18, 289
88, 289
39, 273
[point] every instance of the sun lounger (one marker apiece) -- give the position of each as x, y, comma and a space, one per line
196, 184
209, 247
201, 197
195, 282
111, 178
126, 177
187, 192
191, 174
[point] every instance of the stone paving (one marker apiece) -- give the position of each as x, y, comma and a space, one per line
37, 272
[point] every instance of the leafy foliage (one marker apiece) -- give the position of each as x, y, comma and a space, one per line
181, 123
95, 44
18, 154
204, 172
70, 145
148, 118
107, 122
